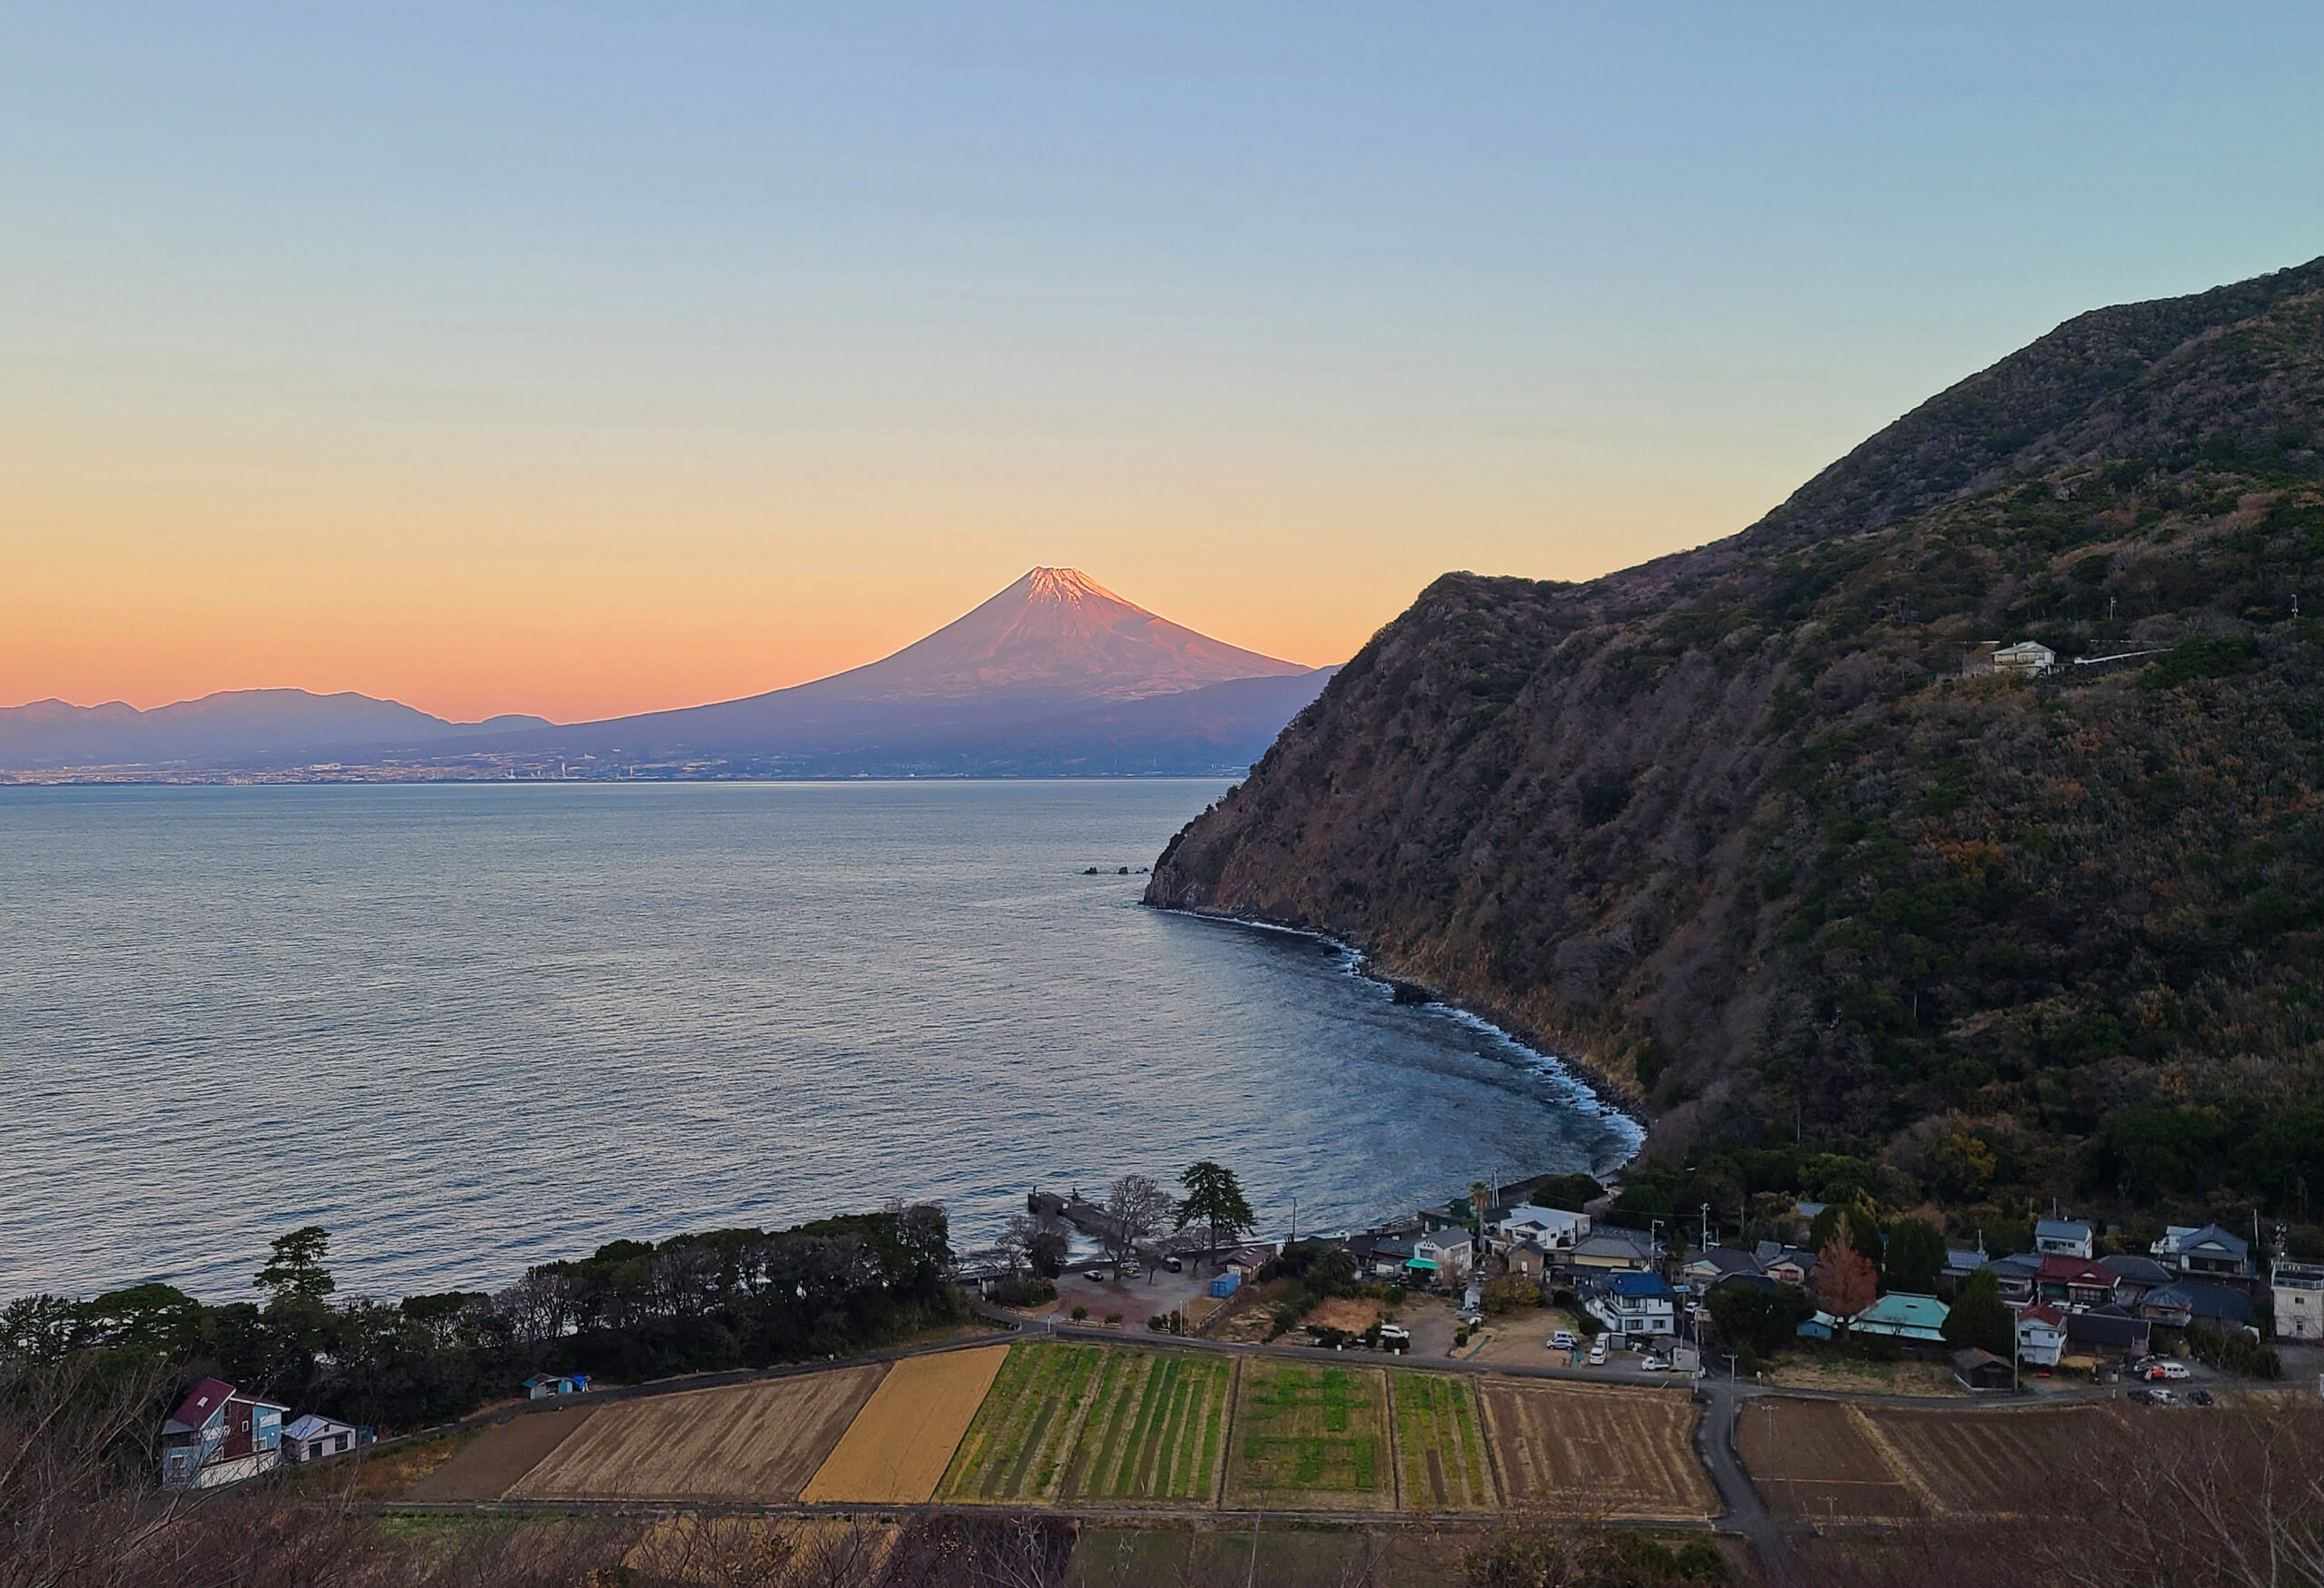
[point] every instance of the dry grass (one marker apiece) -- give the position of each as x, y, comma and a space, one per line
747, 1441
897, 1446
1355, 1314
485, 1467
1996, 1464
1850, 1376
1598, 1450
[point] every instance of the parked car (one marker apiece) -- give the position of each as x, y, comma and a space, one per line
1597, 1352
2177, 1370
1101, 1274
1469, 1315
1650, 1363
2163, 1398
1562, 1340
1175, 1265
1396, 1338
2202, 1398
2144, 1396
1130, 1269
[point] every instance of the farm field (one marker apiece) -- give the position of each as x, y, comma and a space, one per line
487, 1466
1155, 1429
898, 1447
745, 1441
1440, 1444
1311, 1438
1016, 1447
1991, 1463
1597, 1450
1821, 1458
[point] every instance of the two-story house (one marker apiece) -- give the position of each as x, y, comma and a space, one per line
2297, 1292
2210, 1253
1636, 1306
218, 1436
2063, 1237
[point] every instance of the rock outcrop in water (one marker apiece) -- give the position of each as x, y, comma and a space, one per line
1734, 826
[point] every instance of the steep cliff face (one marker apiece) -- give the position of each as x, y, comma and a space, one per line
1732, 825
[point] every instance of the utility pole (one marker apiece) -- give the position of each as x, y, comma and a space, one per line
1706, 1227
1730, 1369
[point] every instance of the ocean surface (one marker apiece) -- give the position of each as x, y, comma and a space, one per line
472, 1027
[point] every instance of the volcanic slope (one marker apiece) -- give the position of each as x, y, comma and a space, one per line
1733, 826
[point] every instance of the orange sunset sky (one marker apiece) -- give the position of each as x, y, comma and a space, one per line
584, 360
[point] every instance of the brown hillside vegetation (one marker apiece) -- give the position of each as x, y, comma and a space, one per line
1733, 826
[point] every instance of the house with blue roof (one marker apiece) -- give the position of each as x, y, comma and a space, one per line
1636, 1304
1914, 1320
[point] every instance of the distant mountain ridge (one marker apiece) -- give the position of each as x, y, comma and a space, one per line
1055, 676
228, 725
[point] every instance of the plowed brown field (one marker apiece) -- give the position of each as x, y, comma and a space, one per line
748, 1442
1820, 1459
1596, 1450
1994, 1464
484, 1468
897, 1449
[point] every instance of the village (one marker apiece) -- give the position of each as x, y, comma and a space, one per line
1528, 1347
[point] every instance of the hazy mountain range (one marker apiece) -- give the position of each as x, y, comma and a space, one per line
1054, 675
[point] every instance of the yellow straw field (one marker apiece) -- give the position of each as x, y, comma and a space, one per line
896, 1450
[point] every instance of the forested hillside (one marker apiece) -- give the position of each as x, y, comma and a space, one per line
1733, 827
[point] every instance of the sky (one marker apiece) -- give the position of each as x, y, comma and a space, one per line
582, 359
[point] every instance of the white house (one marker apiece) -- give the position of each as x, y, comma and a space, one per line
2042, 1336
2298, 1299
2063, 1237
218, 1436
1636, 1304
2029, 658
312, 1438
1553, 1230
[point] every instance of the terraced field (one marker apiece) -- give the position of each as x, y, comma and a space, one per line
1818, 1458
1993, 1464
1440, 1444
1311, 1438
1017, 1448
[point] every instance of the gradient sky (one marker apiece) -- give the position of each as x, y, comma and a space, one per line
583, 360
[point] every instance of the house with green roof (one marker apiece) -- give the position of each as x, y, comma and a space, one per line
1916, 1320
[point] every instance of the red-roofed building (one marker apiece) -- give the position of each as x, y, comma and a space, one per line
218, 1436
2041, 1335
2075, 1282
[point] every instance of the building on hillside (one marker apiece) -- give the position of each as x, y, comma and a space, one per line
2135, 1276
2208, 1253
2042, 1336
1614, 1250
1636, 1304
1244, 1262
2027, 658
218, 1436
2192, 1303
1526, 1260
312, 1438
2013, 1278
2073, 1282
1380, 1257
1550, 1229
1915, 1320
1449, 1252
2107, 1331
1705, 1271
1981, 1371
1958, 1265
1786, 1265
541, 1387
2296, 1291
2063, 1237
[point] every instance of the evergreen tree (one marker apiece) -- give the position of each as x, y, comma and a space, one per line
1215, 1199
1978, 1318
1914, 1257
296, 1269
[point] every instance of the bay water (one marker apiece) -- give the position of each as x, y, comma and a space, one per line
472, 1027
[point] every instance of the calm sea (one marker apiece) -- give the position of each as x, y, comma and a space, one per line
473, 1027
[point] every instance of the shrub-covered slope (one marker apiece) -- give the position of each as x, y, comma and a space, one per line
1733, 826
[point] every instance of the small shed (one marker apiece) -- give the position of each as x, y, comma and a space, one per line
542, 1385
1981, 1371
1226, 1286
